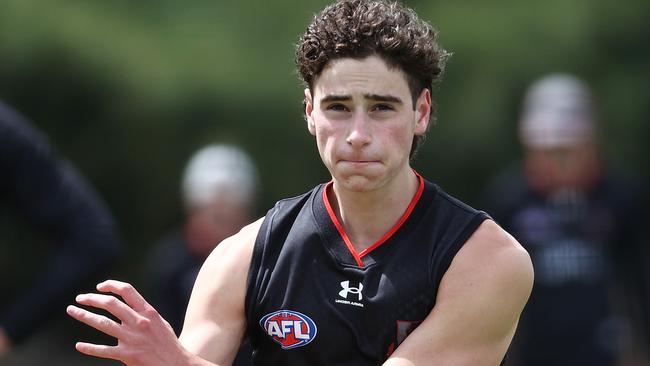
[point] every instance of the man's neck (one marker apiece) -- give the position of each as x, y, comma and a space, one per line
368, 216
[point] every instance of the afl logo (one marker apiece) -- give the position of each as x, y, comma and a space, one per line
289, 328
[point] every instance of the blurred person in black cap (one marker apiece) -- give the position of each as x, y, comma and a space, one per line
45, 192
218, 190
581, 225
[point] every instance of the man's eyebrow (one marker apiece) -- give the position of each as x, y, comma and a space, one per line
383, 98
335, 98
374, 97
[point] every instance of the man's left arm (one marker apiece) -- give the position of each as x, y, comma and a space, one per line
478, 305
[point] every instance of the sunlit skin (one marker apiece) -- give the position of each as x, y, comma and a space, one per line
362, 115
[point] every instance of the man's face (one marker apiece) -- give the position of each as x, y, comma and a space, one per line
362, 115
574, 166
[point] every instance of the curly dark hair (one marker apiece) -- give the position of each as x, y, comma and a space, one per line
361, 28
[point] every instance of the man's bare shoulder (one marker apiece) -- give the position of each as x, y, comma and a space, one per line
492, 272
226, 269
477, 306
215, 313
493, 257
493, 249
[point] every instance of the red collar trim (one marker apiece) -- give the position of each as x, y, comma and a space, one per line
344, 235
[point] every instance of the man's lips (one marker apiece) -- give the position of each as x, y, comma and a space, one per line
358, 161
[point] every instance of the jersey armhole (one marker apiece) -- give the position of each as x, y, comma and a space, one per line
445, 260
253, 280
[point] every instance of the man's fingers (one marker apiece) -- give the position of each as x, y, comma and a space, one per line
98, 350
99, 322
127, 292
110, 304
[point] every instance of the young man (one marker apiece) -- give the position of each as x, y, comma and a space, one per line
348, 273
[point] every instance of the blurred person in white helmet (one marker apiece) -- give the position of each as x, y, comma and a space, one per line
581, 225
218, 191
557, 131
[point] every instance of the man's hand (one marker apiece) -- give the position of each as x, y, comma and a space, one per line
143, 336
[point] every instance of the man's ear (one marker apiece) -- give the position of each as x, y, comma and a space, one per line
309, 110
422, 112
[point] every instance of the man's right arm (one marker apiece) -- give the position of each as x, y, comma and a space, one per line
215, 322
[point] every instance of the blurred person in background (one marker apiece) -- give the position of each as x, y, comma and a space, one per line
219, 190
581, 224
43, 190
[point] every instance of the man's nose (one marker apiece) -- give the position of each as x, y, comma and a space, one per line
360, 130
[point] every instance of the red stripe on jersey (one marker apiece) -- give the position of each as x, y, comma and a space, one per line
339, 227
393, 230
402, 219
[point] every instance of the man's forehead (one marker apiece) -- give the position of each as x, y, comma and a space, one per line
360, 77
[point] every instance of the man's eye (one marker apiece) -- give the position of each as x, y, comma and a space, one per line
337, 107
383, 107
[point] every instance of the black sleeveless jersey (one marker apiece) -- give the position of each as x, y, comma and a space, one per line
313, 300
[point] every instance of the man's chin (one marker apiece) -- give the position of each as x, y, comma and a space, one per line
360, 182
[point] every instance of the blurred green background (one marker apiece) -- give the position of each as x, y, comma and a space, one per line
127, 90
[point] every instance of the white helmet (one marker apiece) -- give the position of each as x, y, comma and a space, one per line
557, 111
218, 170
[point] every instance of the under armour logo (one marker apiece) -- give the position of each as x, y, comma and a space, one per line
347, 290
